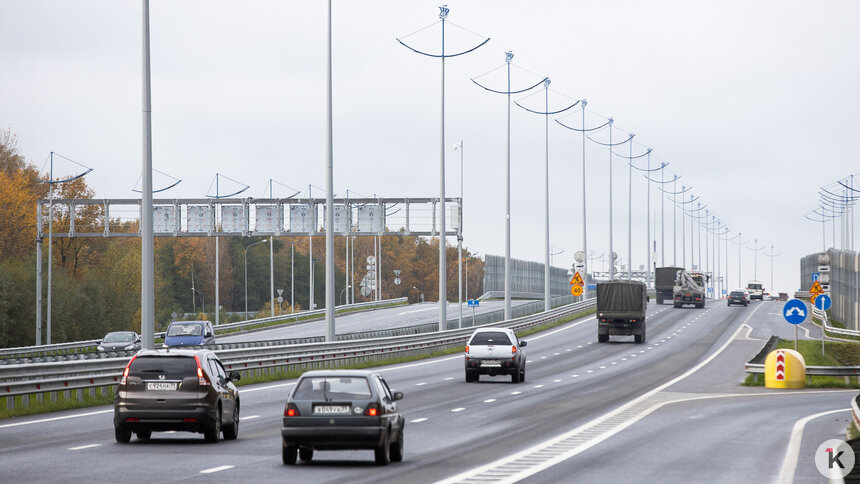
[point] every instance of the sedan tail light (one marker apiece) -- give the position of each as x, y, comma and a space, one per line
291, 410
372, 410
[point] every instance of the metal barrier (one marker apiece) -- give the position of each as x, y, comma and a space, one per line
756, 365
79, 347
825, 323
37, 379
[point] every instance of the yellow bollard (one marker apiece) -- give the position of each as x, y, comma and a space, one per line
784, 369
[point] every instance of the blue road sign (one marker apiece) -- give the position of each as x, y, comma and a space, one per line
474, 302
823, 302
591, 287
815, 276
794, 311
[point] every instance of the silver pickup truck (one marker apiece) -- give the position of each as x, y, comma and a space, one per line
495, 351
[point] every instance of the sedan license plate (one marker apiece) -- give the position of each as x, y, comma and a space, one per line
491, 363
160, 385
331, 409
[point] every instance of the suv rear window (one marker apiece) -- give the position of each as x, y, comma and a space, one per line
190, 329
490, 338
172, 367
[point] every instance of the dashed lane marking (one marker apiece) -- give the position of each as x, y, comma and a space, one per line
216, 469
82, 447
418, 420
458, 409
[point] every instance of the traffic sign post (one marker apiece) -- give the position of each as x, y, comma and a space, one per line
823, 302
795, 313
473, 303
576, 290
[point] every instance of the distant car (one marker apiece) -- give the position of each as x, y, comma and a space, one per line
737, 297
783, 296
342, 410
495, 351
120, 341
189, 333
187, 390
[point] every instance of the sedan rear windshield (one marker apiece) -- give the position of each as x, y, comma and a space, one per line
328, 388
185, 330
737, 294
490, 338
172, 367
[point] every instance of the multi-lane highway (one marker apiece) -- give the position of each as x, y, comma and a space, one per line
377, 319
670, 410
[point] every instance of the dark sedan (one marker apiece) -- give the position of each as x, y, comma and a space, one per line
737, 297
342, 410
120, 341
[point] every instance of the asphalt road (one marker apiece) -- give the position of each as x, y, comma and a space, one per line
386, 318
669, 410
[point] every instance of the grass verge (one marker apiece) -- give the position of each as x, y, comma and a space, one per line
836, 353
46, 405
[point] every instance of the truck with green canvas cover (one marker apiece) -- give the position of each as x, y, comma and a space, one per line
621, 309
664, 283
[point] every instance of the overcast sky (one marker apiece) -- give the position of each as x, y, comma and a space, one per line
755, 104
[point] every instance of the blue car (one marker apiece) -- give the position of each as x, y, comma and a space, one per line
189, 333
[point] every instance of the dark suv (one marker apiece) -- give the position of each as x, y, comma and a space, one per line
186, 390
737, 297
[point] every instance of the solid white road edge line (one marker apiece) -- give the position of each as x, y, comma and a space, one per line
596, 440
789, 465
54, 419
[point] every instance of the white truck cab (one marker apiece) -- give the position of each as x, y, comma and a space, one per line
756, 290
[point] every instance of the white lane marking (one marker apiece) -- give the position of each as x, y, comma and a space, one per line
623, 359
458, 409
556, 354
543, 357
216, 469
268, 387
425, 363
614, 362
522, 472
603, 367
528, 361
516, 393
538, 386
556, 381
449, 378
416, 311
420, 384
54, 419
418, 420
574, 376
250, 417
490, 400
580, 346
789, 464
568, 350
82, 447
590, 371
565, 328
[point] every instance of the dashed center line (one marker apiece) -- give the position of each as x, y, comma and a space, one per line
516, 393
216, 469
538, 386
449, 378
490, 400
418, 420
82, 447
420, 384
250, 417
458, 409
557, 381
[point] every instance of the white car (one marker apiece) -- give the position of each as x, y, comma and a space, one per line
495, 351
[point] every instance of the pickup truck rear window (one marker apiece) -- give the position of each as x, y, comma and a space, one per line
490, 338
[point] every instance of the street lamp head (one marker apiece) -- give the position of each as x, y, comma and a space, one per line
546, 82
611, 121
509, 56
443, 11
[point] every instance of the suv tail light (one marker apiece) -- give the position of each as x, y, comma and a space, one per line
291, 410
202, 377
125, 372
513, 349
372, 410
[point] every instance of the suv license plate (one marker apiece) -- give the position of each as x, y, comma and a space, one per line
491, 363
331, 409
160, 385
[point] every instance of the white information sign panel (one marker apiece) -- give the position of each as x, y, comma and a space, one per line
341, 219
199, 218
233, 219
164, 219
267, 218
370, 218
302, 218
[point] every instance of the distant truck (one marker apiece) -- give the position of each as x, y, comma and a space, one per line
621, 308
664, 283
756, 289
689, 289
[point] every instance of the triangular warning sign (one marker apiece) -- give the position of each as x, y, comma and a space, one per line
576, 279
816, 288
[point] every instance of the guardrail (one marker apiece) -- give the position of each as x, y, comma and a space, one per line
825, 323
756, 365
79, 347
51, 377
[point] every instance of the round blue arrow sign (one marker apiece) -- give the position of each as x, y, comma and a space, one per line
794, 311
823, 302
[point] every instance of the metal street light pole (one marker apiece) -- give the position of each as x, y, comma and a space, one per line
459, 146
329, 199
443, 297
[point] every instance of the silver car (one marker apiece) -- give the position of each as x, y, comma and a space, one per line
120, 341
